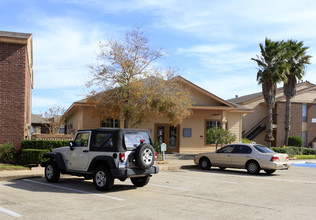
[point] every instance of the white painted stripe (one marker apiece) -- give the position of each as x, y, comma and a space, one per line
74, 190
14, 214
201, 178
170, 187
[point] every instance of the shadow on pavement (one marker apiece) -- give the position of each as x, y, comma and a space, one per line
230, 171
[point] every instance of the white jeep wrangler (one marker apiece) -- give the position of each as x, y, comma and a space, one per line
104, 154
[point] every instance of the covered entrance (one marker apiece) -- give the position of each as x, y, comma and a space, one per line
168, 134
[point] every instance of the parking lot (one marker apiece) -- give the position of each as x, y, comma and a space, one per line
183, 194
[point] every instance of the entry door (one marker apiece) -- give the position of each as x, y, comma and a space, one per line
168, 134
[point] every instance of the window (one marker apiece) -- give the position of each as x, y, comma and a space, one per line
110, 123
304, 134
228, 149
133, 139
304, 112
211, 124
242, 149
102, 141
82, 139
263, 149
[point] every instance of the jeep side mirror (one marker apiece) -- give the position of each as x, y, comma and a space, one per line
71, 145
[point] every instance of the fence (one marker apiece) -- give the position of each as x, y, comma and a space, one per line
53, 137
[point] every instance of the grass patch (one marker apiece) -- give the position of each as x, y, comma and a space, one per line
12, 167
304, 157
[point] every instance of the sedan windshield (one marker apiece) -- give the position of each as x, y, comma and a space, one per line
263, 149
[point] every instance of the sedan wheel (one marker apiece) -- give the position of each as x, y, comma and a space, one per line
253, 167
205, 163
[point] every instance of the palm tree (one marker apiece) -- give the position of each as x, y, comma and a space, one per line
297, 59
272, 69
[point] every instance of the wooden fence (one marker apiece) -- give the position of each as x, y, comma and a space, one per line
54, 137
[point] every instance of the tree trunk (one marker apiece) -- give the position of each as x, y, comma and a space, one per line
287, 120
269, 134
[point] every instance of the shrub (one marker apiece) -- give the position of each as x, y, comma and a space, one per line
43, 144
295, 141
246, 141
32, 156
157, 147
279, 150
7, 153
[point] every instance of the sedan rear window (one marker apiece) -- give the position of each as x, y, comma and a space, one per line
263, 149
133, 139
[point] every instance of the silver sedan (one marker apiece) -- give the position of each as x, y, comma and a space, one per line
253, 157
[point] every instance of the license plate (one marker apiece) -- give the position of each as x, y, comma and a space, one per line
284, 166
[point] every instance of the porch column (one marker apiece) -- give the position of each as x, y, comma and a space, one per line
224, 120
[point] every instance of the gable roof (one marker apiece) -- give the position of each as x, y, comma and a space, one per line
225, 105
301, 87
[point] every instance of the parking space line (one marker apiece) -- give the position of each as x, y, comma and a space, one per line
74, 190
170, 187
208, 179
9, 212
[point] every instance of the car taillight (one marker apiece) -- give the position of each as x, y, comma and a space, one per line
122, 157
274, 159
156, 155
287, 158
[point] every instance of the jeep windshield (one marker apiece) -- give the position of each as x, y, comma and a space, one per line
134, 139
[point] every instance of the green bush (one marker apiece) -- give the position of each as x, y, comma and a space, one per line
7, 153
279, 150
295, 141
43, 144
294, 150
157, 147
32, 156
246, 141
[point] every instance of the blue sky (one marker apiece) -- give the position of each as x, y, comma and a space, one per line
211, 42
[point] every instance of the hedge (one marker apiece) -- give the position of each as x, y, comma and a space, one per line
294, 150
33, 156
295, 141
43, 144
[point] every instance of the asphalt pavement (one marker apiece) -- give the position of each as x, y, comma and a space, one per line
167, 165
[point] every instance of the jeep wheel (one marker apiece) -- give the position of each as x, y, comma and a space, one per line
145, 156
140, 181
102, 179
52, 173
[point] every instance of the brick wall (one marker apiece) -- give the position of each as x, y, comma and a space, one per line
296, 121
12, 93
311, 127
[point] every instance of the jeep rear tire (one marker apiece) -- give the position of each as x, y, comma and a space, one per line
145, 156
140, 181
102, 179
52, 173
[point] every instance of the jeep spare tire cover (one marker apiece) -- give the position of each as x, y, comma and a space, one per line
145, 156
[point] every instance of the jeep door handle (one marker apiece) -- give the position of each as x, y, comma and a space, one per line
85, 151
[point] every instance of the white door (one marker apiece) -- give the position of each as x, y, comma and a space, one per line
78, 158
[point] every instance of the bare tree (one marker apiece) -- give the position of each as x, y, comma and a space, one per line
53, 119
128, 86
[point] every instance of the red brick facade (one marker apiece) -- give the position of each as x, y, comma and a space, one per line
311, 127
15, 91
296, 121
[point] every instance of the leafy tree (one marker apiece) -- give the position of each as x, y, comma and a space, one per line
217, 136
128, 86
296, 58
272, 69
